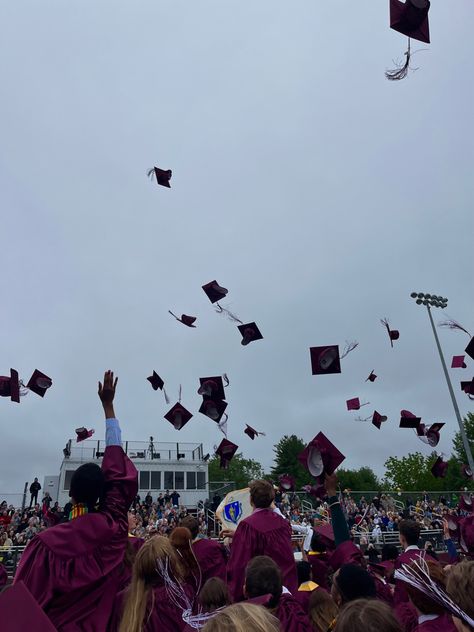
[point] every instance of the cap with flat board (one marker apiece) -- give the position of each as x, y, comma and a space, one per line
212, 387
214, 291
178, 416
214, 409
409, 420
320, 456
10, 386
39, 383
162, 176
458, 362
250, 332
226, 451
252, 433
83, 434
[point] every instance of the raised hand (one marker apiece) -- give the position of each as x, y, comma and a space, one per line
107, 393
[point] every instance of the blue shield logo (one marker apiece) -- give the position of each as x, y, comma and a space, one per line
233, 511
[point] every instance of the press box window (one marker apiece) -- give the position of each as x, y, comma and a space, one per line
169, 481
67, 479
155, 480
190, 480
201, 480
179, 480
145, 480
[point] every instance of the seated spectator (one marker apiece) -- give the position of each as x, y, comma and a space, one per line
352, 582
263, 577
322, 611
243, 617
366, 615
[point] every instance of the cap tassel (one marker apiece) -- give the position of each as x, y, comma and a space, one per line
453, 324
363, 418
223, 310
167, 399
179, 393
151, 173
401, 71
223, 425
226, 379
349, 346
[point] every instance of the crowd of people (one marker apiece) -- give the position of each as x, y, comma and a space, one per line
115, 563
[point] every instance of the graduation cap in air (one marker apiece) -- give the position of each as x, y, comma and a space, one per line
252, 433
162, 176
468, 388
458, 362
156, 381
372, 377
393, 334
213, 408
178, 416
409, 420
453, 524
250, 332
409, 18
10, 386
378, 419
439, 468
354, 404
287, 482
83, 433
320, 457
212, 387
226, 451
317, 491
465, 502
429, 434
186, 320
326, 359
466, 471
19, 611
470, 349
39, 383
326, 535
214, 291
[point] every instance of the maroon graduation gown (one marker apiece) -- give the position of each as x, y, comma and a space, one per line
291, 615
3, 576
443, 623
303, 595
73, 570
400, 594
212, 559
264, 532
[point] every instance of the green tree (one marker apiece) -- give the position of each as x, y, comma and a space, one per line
241, 471
286, 460
412, 473
363, 479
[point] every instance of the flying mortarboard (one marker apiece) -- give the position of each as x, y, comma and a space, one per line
214, 291
439, 468
470, 349
409, 420
378, 419
39, 383
410, 18
287, 482
19, 611
214, 409
162, 176
320, 456
178, 416
186, 320
429, 434
393, 334
250, 332
354, 404
83, 433
212, 387
458, 362
466, 471
317, 491
156, 381
10, 386
252, 433
226, 451
465, 502
468, 388
372, 377
326, 359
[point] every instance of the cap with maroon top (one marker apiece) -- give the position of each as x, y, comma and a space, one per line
213, 408
178, 416
410, 18
214, 291
10, 386
409, 420
162, 176
250, 332
211, 387
82, 433
393, 334
226, 451
39, 383
320, 457
439, 468
252, 433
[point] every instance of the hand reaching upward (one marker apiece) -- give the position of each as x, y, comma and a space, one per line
107, 393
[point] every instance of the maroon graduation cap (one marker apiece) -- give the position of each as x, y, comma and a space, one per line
83, 433
213, 408
465, 502
410, 18
252, 433
393, 334
317, 491
39, 383
156, 381
211, 387
287, 482
372, 377
326, 359
10, 386
470, 349
409, 420
214, 291
250, 332
458, 362
320, 457
468, 388
226, 451
430, 434
466, 471
178, 416
326, 535
162, 176
439, 468
354, 404
186, 320
19, 611
378, 419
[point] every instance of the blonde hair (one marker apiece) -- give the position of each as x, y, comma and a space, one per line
460, 586
366, 615
322, 610
243, 617
144, 575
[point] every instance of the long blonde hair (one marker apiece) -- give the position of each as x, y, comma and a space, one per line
243, 617
144, 575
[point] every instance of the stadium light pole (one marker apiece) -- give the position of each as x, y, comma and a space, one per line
429, 301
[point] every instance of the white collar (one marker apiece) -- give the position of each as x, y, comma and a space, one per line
412, 547
427, 617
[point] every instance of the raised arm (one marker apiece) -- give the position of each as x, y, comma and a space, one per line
339, 524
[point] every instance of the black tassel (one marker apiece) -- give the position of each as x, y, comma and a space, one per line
350, 346
228, 313
151, 173
453, 324
401, 71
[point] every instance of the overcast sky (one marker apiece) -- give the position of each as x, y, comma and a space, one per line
316, 191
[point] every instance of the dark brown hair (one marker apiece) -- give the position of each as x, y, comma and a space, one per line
366, 615
263, 577
192, 524
410, 530
262, 494
214, 594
